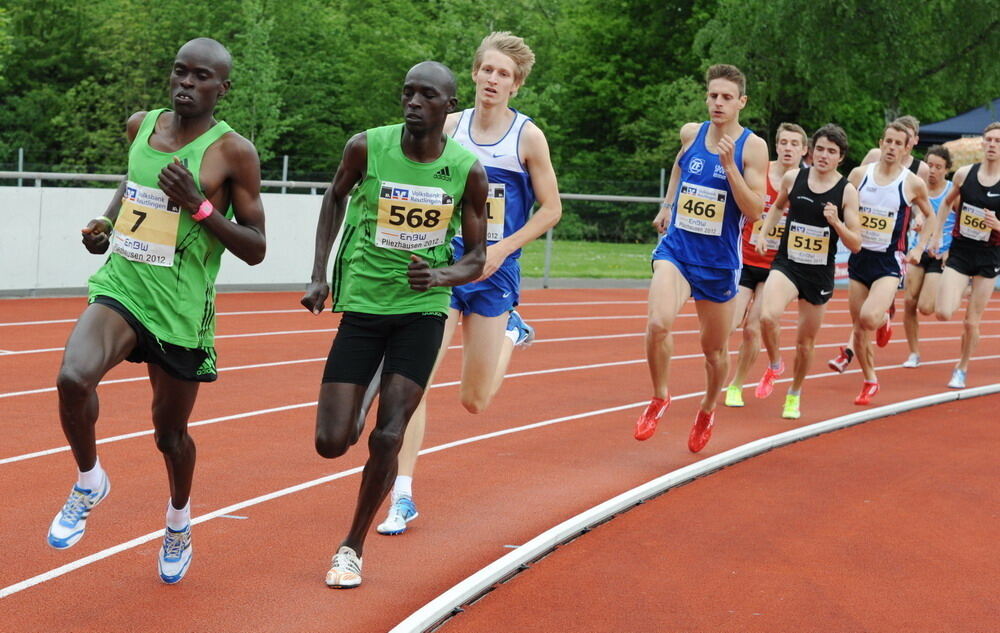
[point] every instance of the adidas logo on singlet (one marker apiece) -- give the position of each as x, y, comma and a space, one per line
443, 174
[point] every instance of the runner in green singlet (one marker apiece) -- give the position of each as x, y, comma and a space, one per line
192, 191
414, 187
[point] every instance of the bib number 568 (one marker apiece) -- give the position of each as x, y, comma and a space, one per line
414, 218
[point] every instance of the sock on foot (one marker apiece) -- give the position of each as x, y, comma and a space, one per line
91, 479
403, 487
178, 519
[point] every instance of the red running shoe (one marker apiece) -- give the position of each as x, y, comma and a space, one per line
766, 384
843, 359
868, 391
884, 333
701, 432
645, 426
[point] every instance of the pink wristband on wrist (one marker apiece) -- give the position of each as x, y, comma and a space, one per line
204, 211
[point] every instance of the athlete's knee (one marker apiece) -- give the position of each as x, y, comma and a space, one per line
332, 441
804, 345
171, 442
716, 357
943, 313
769, 321
386, 440
73, 385
476, 401
926, 306
869, 320
659, 326
911, 304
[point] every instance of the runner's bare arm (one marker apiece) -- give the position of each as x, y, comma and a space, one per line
331, 215
952, 200
241, 189
470, 266
749, 187
850, 229
919, 198
97, 233
535, 151
688, 133
778, 208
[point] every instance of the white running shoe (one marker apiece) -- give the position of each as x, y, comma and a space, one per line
401, 512
957, 380
346, 569
175, 555
70, 523
912, 361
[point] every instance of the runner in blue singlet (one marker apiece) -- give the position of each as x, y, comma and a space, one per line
718, 179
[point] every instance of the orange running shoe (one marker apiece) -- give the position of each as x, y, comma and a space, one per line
701, 432
766, 384
645, 426
868, 391
884, 333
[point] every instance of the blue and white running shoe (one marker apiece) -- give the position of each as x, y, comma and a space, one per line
401, 512
525, 333
957, 379
71, 522
175, 555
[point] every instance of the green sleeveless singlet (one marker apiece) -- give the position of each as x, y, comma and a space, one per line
163, 264
401, 207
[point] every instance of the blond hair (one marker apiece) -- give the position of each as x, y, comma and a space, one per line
729, 72
909, 121
992, 126
510, 45
795, 128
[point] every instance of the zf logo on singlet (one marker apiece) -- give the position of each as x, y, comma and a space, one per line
697, 165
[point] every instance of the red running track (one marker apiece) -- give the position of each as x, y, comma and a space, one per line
260, 567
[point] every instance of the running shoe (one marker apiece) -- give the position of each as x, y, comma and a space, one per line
913, 360
734, 396
701, 432
884, 333
525, 333
401, 512
645, 426
868, 391
766, 384
345, 571
71, 522
175, 555
957, 379
791, 410
843, 359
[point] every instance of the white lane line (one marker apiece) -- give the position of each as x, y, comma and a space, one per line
789, 317
236, 507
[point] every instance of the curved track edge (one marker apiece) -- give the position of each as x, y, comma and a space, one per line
450, 603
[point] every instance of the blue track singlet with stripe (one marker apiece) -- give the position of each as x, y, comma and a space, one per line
949, 222
885, 212
706, 223
510, 196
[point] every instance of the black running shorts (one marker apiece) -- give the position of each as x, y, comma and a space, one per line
409, 343
195, 364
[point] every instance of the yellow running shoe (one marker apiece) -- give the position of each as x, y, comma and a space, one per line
734, 396
791, 410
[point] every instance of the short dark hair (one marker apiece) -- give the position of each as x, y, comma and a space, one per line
941, 152
727, 71
833, 133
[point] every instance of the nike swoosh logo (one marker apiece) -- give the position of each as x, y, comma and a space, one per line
499, 155
506, 294
825, 292
988, 194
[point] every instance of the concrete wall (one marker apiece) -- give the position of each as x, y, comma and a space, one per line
41, 252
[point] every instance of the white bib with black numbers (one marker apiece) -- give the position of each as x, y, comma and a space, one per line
412, 218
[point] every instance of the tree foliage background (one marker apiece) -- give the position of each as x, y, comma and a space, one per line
614, 80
